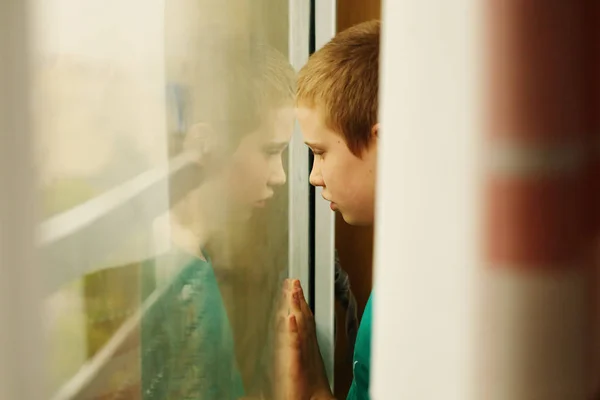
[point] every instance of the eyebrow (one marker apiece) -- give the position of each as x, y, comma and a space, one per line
313, 145
276, 145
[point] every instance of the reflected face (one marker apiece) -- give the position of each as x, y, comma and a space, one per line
256, 168
348, 181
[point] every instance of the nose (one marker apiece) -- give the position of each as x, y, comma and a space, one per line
277, 175
316, 178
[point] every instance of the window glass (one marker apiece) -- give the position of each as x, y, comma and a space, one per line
161, 135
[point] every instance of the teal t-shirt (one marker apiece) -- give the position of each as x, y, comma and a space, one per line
361, 362
187, 342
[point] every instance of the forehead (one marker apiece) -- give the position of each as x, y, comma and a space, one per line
314, 128
277, 127
283, 122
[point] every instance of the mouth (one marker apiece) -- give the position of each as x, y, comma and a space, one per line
332, 205
262, 203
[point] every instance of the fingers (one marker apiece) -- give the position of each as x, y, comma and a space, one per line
291, 284
296, 309
303, 303
296, 300
289, 334
304, 308
294, 286
293, 324
288, 323
293, 303
284, 305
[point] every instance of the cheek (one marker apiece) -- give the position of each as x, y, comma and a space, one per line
250, 177
335, 169
333, 172
341, 179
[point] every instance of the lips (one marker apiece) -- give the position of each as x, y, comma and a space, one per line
332, 204
262, 203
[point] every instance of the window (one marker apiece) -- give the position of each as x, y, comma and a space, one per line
162, 138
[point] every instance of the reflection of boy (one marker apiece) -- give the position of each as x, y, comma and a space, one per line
237, 111
337, 111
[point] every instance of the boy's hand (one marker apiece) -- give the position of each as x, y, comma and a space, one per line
299, 363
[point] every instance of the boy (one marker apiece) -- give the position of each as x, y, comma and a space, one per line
337, 111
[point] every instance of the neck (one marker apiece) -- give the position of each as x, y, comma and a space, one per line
191, 227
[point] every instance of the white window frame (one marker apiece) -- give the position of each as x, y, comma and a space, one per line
325, 30
298, 186
21, 340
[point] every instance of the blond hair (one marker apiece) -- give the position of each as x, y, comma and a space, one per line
342, 81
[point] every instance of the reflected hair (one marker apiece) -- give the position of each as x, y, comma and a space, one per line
230, 83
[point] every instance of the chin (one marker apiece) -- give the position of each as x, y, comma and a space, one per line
355, 220
246, 215
240, 215
350, 220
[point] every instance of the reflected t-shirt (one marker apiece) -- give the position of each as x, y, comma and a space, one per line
361, 362
187, 343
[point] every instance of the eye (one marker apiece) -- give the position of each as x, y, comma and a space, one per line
271, 153
273, 150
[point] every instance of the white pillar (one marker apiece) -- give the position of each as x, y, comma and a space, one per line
427, 238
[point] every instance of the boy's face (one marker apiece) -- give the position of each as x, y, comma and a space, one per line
348, 181
256, 167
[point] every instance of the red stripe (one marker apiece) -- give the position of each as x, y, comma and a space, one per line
534, 223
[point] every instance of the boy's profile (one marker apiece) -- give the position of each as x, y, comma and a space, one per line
336, 106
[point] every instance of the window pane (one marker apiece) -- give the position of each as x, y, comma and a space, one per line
162, 130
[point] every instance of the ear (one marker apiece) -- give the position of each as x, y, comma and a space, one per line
200, 143
375, 131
